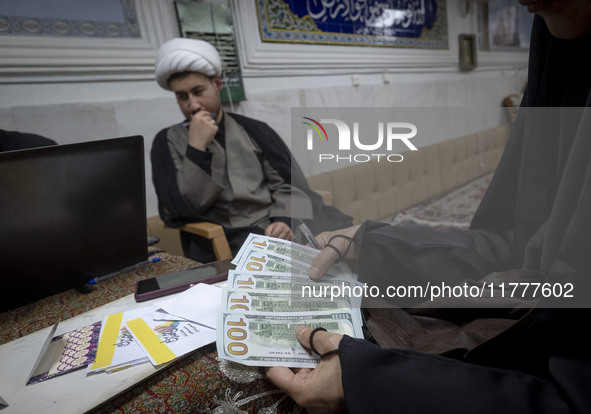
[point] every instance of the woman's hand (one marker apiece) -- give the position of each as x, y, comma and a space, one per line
320, 387
329, 255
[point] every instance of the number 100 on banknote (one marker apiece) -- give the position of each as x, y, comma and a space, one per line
260, 339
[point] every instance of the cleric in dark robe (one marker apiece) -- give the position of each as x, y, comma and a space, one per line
224, 168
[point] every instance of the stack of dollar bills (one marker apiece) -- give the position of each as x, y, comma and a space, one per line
269, 295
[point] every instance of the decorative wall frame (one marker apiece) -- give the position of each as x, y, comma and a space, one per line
503, 26
467, 49
69, 18
213, 22
390, 23
43, 59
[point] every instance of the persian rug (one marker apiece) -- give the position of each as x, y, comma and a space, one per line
454, 209
48, 311
201, 383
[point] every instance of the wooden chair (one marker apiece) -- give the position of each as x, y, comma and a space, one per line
170, 242
213, 232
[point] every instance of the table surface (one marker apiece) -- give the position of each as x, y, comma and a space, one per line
72, 392
24, 330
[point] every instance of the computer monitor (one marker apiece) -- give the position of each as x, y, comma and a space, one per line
69, 213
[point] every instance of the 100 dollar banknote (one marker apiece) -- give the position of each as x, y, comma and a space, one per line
278, 301
265, 254
256, 260
269, 339
326, 288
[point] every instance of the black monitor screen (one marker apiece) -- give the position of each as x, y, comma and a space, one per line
69, 213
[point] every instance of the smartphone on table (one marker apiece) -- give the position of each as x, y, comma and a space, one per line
174, 282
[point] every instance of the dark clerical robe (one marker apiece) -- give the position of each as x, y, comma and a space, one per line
245, 183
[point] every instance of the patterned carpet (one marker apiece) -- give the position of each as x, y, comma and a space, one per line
198, 383
454, 209
48, 311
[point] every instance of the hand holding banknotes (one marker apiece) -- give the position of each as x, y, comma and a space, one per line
321, 387
335, 245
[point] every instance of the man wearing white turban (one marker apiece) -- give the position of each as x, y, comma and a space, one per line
186, 55
221, 167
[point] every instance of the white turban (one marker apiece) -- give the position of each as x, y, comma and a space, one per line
186, 55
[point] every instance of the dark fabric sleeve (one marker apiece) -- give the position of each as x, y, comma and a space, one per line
172, 208
201, 158
409, 255
377, 380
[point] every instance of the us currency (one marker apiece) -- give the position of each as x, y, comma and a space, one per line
263, 253
288, 282
248, 243
306, 295
268, 339
256, 260
280, 246
279, 301
259, 241
303, 255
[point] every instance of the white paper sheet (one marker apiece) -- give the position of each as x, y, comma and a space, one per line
164, 341
199, 303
